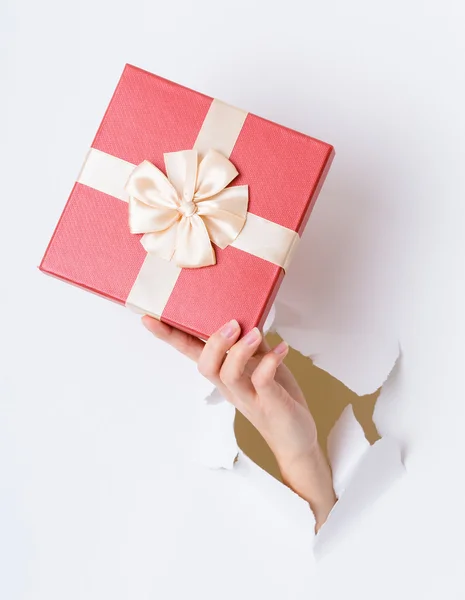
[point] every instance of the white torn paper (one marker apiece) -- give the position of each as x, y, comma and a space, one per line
346, 446
291, 506
361, 361
214, 442
378, 468
361, 473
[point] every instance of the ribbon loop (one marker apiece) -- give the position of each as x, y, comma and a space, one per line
181, 214
215, 173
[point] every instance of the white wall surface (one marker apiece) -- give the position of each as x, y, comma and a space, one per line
99, 495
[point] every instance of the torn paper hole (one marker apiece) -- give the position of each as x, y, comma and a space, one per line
363, 464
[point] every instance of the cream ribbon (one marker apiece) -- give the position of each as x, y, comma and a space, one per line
183, 212
157, 277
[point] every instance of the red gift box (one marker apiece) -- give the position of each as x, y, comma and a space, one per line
93, 247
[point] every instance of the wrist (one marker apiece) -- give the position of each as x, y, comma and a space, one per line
309, 476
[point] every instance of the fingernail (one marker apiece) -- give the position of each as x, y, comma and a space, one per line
252, 336
144, 322
147, 324
281, 348
229, 329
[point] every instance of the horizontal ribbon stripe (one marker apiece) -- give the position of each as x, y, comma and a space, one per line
267, 240
106, 173
260, 237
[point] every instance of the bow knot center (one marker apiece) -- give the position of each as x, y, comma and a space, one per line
187, 208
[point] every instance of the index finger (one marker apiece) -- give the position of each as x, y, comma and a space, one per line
185, 343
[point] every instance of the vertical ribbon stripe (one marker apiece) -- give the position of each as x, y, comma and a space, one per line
153, 286
220, 129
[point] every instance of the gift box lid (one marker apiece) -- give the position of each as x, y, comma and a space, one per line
148, 116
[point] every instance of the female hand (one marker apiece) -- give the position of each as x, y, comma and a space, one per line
254, 379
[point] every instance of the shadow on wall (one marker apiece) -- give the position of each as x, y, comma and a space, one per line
326, 397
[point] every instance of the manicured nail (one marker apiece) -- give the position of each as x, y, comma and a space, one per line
253, 336
281, 348
144, 322
229, 329
147, 324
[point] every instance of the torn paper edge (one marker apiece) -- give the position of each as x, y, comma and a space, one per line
214, 441
347, 433
362, 362
380, 466
292, 507
361, 473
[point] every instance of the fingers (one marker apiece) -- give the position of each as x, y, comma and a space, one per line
232, 371
263, 377
214, 352
187, 344
223, 359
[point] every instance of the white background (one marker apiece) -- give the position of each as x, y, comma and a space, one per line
99, 495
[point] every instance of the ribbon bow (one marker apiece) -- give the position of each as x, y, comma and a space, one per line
181, 214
